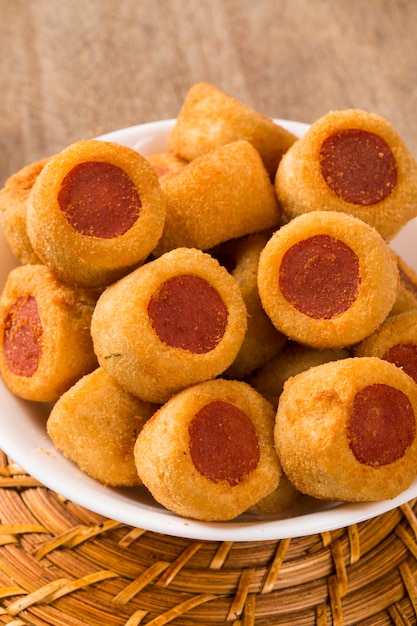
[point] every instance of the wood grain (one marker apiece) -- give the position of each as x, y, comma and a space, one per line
72, 70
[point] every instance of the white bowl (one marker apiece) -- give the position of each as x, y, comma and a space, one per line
23, 435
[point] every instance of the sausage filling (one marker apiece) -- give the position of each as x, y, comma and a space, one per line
404, 355
358, 166
188, 313
223, 443
99, 200
22, 336
381, 425
320, 276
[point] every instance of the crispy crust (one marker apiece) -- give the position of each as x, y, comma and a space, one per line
166, 163
13, 199
301, 187
407, 292
164, 463
293, 359
66, 347
88, 260
219, 196
129, 349
397, 329
311, 432
262, 340
95, 424
375, 297
209, 118
278, 501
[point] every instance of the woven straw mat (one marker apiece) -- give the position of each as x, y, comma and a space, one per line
63, 565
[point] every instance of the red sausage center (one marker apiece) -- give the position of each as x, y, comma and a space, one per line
381, 425
99, 200
22, 336
188, 313
358, 166
320, 276
404, 355
223, 443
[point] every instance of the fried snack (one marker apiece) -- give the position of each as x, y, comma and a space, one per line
13, 205
278, 501
208, 453
293, 359
355, 162
45, 342
395, 341
222, 195
95, 211
166, 163
407, 292
95, 424
346, 430
173, 322
210, 118
327, 279
262, 340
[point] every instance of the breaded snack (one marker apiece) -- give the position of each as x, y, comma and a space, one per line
95, 211
13, 198
278, 501
166, 163
210, 118
407, 292
327, 279
395, 341
219, 196
293, 359
346, 430
355, 162
95, 424
262, 340
173, 322
45, 342
208, 453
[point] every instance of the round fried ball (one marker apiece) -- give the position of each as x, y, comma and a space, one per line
95, 424
346, 430
327, 279
208, 453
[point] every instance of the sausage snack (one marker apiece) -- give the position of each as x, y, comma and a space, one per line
13, 207
45, 342
219, 196
407, 292
208, 453
346, 430
319, 279
166, 163
293, 359
351, 161
95, 424
395, 340
262, 340
278, 501
210, 118
173, 322
95, 211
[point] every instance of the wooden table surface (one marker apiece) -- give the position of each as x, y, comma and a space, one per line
73, 70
